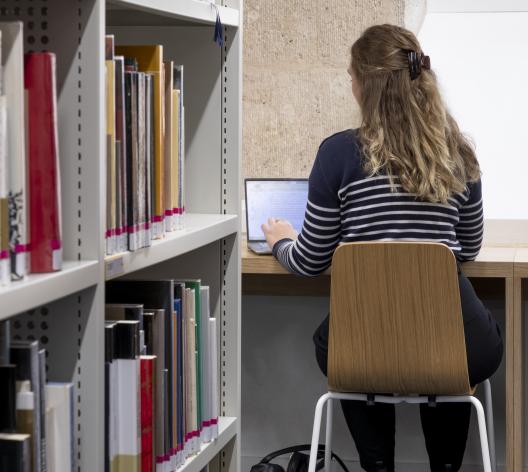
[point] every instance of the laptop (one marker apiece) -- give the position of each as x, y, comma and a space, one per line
276, 198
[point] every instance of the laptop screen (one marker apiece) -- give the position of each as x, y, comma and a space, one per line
280, 198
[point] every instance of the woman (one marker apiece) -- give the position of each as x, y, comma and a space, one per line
406, 174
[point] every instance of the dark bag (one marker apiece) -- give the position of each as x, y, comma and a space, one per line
298, 461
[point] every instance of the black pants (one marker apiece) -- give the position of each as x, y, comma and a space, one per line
445, 426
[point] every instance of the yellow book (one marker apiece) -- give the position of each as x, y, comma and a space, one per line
150, 59
111, 223
169, 147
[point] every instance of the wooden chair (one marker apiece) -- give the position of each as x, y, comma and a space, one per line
396, 326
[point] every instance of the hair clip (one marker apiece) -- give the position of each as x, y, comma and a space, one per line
417, 62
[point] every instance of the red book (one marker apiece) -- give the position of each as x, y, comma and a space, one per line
148, 369
43, 162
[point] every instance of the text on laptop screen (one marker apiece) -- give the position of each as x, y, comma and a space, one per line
283, 199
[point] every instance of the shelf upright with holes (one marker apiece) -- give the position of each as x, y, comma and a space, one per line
65, 310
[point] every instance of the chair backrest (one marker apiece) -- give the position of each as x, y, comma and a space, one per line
395, 320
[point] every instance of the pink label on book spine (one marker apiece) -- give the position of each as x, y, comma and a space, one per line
4, 254
19, 248
55, 244
214, 421
157, 218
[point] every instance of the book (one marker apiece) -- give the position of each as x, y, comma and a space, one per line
175, 167
127, 311
26, 419
149, 155
142, 152
178, 380
43, 162
7, 398
109, 427
154, 321
24, 355
5, 268
60, 431
215, 390
170, 148
205, 363
197, 369
128, 418
15, 452
120, 133
178, 85
148, 412
150, 60
111, 159
13, 88
42, 409
5, 329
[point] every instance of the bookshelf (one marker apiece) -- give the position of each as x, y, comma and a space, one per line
65, 310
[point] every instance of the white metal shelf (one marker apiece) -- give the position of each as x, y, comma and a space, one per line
39, 289
200, 230
227, 430
167, 12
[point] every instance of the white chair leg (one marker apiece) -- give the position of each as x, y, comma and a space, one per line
328, 442
483, 434
490, 424
316, 431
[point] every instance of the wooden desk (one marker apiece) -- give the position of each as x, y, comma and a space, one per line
498, 259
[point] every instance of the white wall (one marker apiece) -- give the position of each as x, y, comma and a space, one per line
481, 61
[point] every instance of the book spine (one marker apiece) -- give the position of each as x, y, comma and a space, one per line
111, 203
204, 356
159, 156
25, 356
121, 136
215, 396
159, 351
44, 182
60, 432
7, 398
128, 454
26, 419
147, 414
174, 386
42, 408
5, 329
15, 453
13, 84
5, 267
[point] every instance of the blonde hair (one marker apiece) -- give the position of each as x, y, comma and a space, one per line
406, 130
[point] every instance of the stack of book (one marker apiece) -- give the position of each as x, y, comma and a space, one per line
145, 146
30, 213
36, 417
162, 392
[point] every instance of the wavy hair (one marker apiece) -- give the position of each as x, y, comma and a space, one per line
406, 131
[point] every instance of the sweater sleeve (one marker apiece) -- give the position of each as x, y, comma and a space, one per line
311, 254
470, 227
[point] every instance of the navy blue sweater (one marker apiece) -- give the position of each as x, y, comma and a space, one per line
346, 205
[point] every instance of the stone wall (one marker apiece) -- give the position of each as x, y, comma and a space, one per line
296, 86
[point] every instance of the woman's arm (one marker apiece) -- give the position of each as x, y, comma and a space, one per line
470, 227
311, 253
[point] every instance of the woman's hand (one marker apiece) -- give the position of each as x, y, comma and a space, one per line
276, 229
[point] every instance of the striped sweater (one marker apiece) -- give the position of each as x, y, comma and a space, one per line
346, 205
